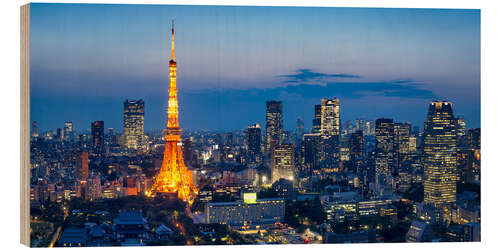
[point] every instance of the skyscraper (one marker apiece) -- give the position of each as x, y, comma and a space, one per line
401, 142
300, 128
461, 126
274, 124
311, 147
412, 144
252, 139
317, 119
82, 165
462, 133
356, 146
68, 131
97, 132
330, 117
440, 154
133, 123
474, 138
330, 131
34, 129
282, 163
110, 137
360, 124
174, 178
384, 147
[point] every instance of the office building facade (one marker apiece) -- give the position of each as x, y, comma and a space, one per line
440, 154
133, 123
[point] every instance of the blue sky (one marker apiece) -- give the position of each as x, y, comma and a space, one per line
87, 59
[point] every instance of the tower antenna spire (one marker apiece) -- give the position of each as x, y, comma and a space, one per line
173, 43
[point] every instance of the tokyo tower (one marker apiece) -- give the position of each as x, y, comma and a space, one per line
174, 178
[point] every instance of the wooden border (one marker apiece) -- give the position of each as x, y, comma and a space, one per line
25, 124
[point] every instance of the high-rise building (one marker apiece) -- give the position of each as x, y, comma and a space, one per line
282, 163
412, 144
253, 142
461, 126
133, 123
370, 128
330, 131
474, 138
174, 178
34, 129
300, 128
229, 139
360, 124
82, 165
440, 154
317, 119
402, 137
311, 147
384, 147
401, 142
356, 146
68, 131
59, 134
110, 136
274, 124
462, 133
330, 117
97, 133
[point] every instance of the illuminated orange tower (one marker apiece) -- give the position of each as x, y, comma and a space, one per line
174, 177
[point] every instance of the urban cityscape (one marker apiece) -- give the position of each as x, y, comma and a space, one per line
377, 180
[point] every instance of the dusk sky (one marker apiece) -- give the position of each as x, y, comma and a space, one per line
87, 59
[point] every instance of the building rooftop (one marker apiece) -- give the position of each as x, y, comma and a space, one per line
130, 217
73, 236
241, 202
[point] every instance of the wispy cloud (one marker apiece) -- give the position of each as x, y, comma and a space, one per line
309, 76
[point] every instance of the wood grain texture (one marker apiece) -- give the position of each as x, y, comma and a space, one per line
25, 124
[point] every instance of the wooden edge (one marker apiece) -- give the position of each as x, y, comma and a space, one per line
25, 124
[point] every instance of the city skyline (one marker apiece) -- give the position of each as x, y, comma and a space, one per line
313, 156
95, 79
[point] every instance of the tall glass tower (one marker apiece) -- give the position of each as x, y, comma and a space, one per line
133, 123
440, 154
384, 147
274, 124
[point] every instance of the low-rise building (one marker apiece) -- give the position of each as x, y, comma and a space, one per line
419, 232
130, 228
249, 213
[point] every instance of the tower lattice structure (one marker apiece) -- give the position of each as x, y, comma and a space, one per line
174, 177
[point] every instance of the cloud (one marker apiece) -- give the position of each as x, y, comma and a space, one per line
308, 76
218, 108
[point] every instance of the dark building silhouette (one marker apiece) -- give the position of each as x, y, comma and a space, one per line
82, 165
356, 145
253, 135
274, 124
401, 143
474, 138
300, 128
311, 152
97, 133
317, 119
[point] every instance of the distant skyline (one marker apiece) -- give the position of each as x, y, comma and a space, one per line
87, 59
